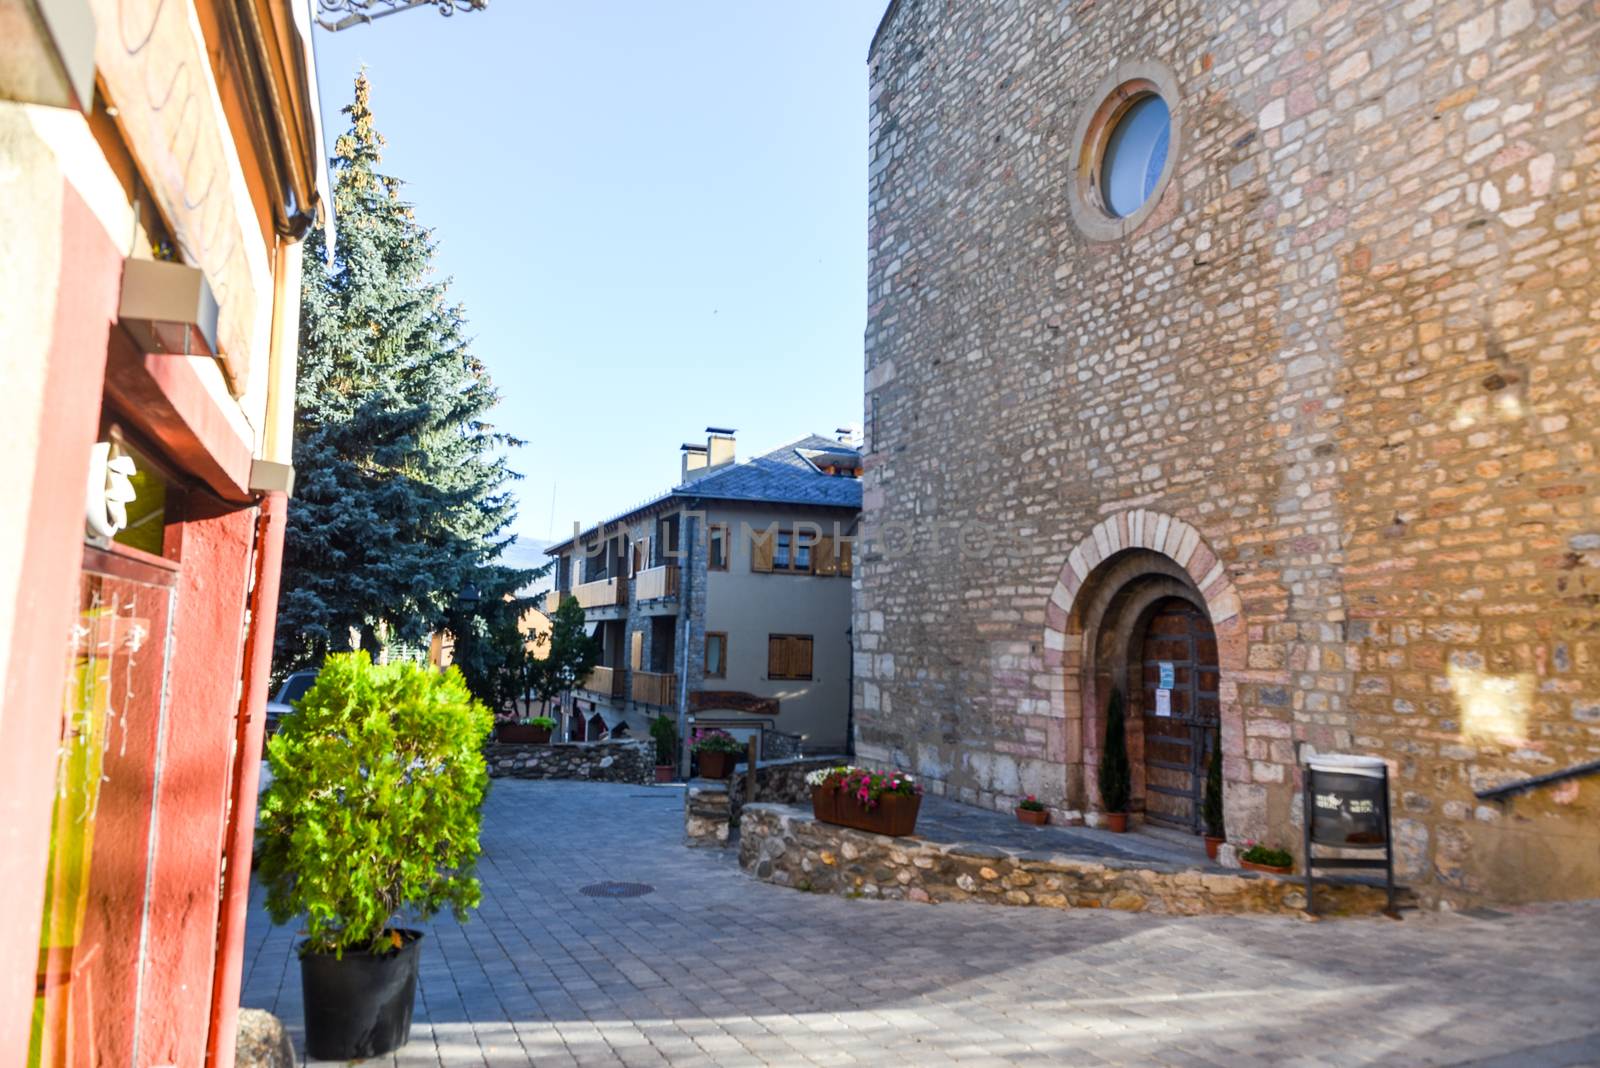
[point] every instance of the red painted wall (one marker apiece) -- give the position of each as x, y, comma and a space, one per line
35, 666
190, 817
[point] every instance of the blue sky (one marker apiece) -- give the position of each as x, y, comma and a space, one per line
655, 214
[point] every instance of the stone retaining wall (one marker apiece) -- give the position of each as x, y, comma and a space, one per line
627, 760
711, 807
780, 782
782, 844
706, 813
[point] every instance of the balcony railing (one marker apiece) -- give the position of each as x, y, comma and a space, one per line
607, 682
551, 601
601, 593
651, 688
656, 582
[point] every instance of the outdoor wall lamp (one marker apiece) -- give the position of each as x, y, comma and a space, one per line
168, 308
47, 53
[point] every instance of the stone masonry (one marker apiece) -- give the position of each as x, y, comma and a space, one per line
629, 760
783, 844
1338, 386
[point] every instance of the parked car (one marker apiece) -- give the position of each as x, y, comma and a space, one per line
294, 687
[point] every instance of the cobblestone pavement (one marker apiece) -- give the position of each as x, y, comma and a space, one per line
713, 968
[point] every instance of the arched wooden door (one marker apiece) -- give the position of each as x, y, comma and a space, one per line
1178, 656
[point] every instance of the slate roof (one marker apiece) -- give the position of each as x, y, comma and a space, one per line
782, 476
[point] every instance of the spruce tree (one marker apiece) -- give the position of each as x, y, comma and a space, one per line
1115, 776
401, 497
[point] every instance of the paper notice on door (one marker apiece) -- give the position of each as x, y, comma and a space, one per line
1169, 677
1163, 702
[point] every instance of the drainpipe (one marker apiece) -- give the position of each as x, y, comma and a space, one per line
685, 585
272, 477
248, 734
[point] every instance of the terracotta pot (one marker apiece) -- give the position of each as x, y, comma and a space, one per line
1036, 817
895, 814
1212, 845
521, 734
1270, 869
1116, 821
716, 765
664, 772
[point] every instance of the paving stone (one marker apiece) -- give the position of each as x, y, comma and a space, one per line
734, 971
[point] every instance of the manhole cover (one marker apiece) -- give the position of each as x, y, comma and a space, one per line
618, 889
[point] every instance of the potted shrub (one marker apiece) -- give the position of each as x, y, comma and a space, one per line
1031, 810
1258, 857
883, 802
716, 751
666, 737
1211, 804
373, 813
528, 730
1115, 778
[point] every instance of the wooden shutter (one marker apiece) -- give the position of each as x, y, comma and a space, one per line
761, 546
800, 658
845, 565
636, 654
824, 561
777, 660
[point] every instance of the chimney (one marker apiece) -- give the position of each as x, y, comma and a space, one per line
694, 461
719, 446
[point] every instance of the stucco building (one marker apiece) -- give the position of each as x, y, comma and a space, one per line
159, 165
1254, 346
724, 602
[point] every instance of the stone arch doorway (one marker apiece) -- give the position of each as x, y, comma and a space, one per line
1176, 700
1132, 567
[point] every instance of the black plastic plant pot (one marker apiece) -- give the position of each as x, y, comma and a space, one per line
359, 1005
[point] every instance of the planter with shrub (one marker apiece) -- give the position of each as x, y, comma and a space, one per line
1115, 777
531, 730
666, 738
1211, 804
1031, 810
1257, 857
882, 802
373, 813
717, 752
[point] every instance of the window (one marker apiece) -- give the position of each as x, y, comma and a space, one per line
784, 550
716, 656
1135, 154
717, 548
788, 656
1128, 140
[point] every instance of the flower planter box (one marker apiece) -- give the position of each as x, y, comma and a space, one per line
714, 765
895, 814
1270, 869
664, 772
1213, 843
1037, 817
1116, 822
521, 734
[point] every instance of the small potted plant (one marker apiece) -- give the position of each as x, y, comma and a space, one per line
716, 751
883, 802
1031, 810
1258, 857
373, 813
526, 730
1115, 784
666, 736
1211, 804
